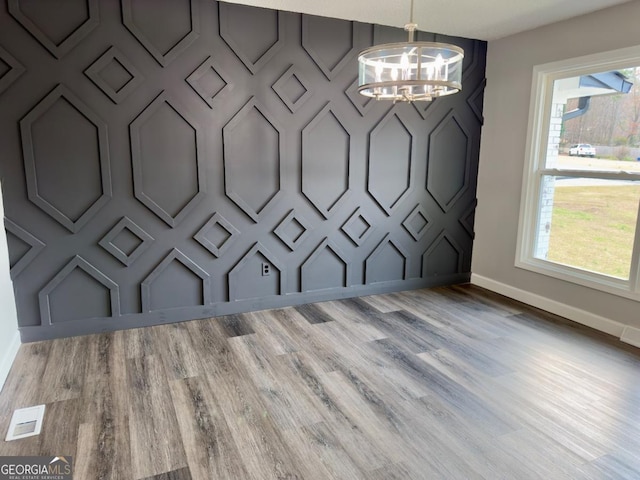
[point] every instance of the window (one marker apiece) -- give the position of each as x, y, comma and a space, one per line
580, 204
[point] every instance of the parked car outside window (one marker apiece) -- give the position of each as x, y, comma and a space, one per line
582, 150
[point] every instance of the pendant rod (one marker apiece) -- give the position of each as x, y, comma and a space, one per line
411, 27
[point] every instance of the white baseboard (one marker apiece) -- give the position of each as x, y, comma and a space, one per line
9, 356
631, 335
583, 317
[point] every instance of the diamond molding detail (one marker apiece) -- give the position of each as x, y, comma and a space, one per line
224, 232
417, 222
93, 272
357, 227
208, 81
110, 241
162, 18
62, 93
35, 247
58, 48
14, 69
178, 256
293, 230
137, 159
113, 59
291, 89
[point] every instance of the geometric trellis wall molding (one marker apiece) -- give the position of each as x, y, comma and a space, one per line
326, 154
167, 145
57, 37
450, 149
115, 75
248, 267
57, 282
326, 267
267, 26
262, 158
168, 161
388, 262
443, 257
34, 245
60, 134
293, 230
180, 27
217, 235
12, 69
126, 250
390, 182
175, 257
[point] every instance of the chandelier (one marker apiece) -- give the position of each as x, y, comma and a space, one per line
410, 71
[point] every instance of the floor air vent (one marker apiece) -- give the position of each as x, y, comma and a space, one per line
25, 422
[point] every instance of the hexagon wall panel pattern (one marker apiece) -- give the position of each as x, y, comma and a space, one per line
325, 268
165, 30
166, 152
167, 160
449, 161
160, 291
387, 263
246, 280
245, 159
61, 133
443, 257
330, 53
390, 158
100, 296
256, 50
325, 161
58, 26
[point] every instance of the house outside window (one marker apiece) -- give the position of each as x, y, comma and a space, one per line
581, 186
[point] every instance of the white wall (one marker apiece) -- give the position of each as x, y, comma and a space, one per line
9, 338
506, 108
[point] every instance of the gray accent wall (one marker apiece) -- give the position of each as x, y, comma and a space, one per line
166, 161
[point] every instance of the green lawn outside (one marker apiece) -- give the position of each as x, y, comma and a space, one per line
593, 227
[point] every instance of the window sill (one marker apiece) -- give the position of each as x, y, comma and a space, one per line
595, 281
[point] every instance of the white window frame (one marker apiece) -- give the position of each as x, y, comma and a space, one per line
543, 80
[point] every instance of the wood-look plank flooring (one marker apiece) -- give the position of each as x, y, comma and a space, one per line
446, 383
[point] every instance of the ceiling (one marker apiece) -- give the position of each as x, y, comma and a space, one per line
479, 19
